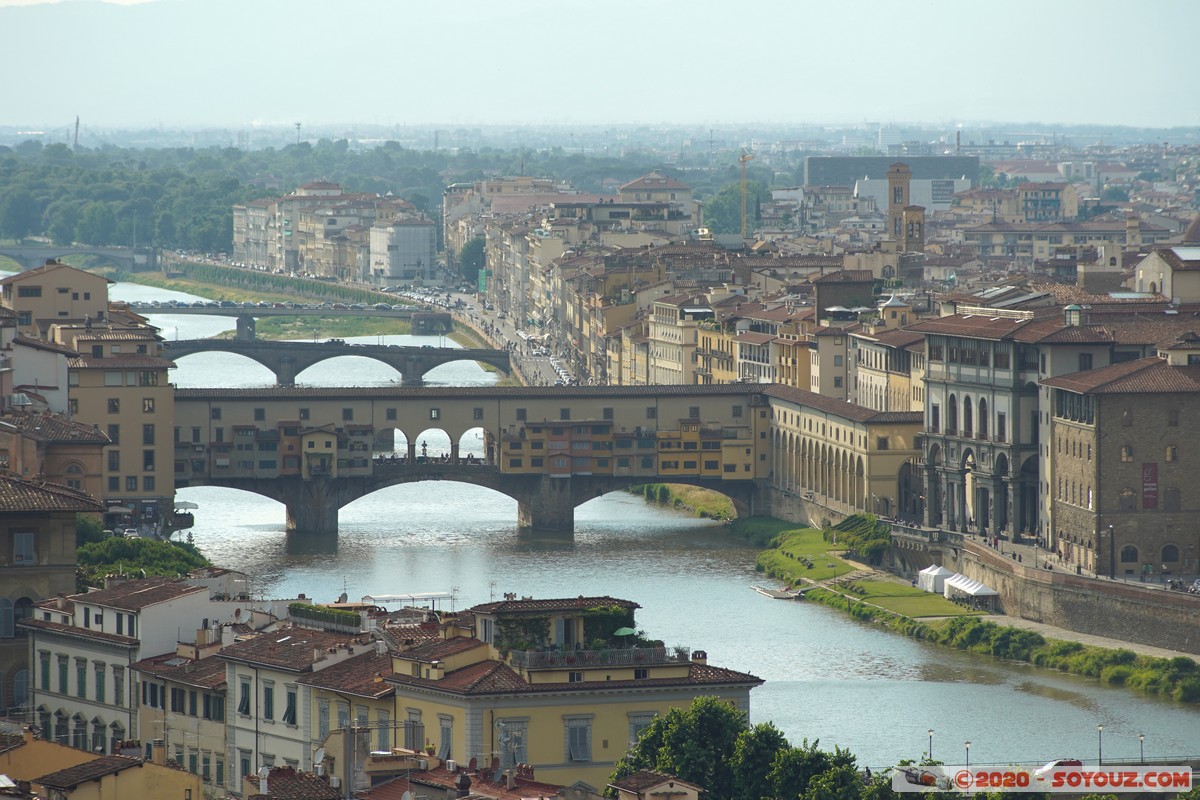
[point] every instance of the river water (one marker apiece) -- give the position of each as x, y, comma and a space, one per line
827, 676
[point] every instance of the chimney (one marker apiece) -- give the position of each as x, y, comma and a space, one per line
699, 657
158, 752
462, 784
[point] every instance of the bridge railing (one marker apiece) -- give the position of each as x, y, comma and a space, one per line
920, 533
628, 656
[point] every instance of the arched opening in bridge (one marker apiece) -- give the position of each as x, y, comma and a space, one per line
687, 500
349, 370
464, 372
434, 445
391, 442
218, 370
476, 446
410, 511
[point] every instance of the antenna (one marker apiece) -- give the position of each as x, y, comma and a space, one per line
297, 133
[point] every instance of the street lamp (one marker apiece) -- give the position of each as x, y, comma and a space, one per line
1142, 747
1100, 744
967, 746
931, 744
1112, 554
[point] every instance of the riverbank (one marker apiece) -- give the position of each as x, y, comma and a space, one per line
701, 502
803, 557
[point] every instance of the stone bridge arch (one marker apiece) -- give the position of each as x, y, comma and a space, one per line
543, 502
286, 360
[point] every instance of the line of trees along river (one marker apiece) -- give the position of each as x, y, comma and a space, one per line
828, 677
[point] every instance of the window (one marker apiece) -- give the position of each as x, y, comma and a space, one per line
118, 683
564, 413
219, 772
1170, 553
289, 713
520, 415
513, 740
837, 382
446, 731
1127, 500
1173, 417
114, 460
322, 718
147, 405
114, 434
1001, 426
62, 674
574, 677
268, 706
383, 724
390, 414
304, 413
131, 483
638, 722
435, 413
80, 677
44, 670
177, 700
100, 687
29, 291
147, 460
477, 413
24, 553
693, 412
1172, 453
1171, 500
578, 738
414, 732
640, 673
347, 414
244, 699
1127, 418
651, 412
244, 763
1129, 554
1126, 453
192, 703
215, 413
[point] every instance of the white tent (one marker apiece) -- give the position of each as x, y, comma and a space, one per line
932, 579
962, 585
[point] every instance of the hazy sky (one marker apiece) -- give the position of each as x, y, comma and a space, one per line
241, 62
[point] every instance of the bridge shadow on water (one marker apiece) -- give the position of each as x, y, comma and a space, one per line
310, 544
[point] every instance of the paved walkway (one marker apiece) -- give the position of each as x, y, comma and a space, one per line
1053, 632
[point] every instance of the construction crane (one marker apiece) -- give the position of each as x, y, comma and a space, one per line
743, 158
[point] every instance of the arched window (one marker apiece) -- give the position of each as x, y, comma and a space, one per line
1128, 501
982, 425
1170, 553
74, 475
22, 609
1129, 554
968, 418
952, 416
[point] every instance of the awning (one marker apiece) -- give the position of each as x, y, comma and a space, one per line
961, 584
120, 510
387, 599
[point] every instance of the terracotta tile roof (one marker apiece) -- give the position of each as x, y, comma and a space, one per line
17, 495
419, 784
54, 428
645, 779
138, 594
293, 649
285, 783
846, 276
507, 392
94, 770
120, 361
753, 337
1144, 376
355, 676
843, 409
42, 344
205, 673
655, 181
36, 272
895, 338
439, 649
75, 631
496, 677
538, 606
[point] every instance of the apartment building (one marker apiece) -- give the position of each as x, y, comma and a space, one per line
543, 681
37, 559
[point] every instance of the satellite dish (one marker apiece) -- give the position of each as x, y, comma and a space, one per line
319, 756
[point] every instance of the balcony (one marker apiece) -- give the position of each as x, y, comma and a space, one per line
622, 657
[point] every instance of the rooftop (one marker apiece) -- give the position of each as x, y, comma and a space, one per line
67, 779
18, 495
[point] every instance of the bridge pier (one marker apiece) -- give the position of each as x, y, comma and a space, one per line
285, 373
245, 328
549, 507
312, 506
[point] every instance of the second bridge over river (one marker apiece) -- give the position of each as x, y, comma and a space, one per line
288, 359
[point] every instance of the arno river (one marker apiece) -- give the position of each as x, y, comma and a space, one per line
828, 677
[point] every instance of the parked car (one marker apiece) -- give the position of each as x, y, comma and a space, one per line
1042, 772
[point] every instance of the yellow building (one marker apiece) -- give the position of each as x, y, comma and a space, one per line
51, 294
58, 772
354, 692
842, 456
549, 683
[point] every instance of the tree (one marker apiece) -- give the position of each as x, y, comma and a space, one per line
723, 211
795, 768
19, 214
472, 259
840, 782
146, 556
694, 745
753, 755
1115, 194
